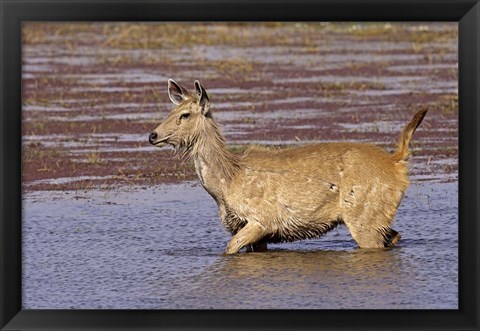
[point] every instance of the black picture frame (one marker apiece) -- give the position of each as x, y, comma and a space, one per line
13, 12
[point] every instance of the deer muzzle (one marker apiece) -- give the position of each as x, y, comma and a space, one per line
154, 140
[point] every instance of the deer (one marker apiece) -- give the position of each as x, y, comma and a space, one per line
273, 195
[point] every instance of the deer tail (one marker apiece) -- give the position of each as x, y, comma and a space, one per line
402, 151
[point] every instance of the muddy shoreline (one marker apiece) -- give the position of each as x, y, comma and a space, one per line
93, 92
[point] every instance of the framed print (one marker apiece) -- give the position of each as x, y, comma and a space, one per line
240, 165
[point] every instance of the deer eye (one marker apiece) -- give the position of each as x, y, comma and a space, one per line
184, 116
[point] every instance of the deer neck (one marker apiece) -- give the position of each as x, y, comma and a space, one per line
214, 164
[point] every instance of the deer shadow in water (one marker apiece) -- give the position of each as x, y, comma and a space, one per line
280, 195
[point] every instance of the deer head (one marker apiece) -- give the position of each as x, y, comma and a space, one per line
187, 120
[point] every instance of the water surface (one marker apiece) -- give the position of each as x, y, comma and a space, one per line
151, 248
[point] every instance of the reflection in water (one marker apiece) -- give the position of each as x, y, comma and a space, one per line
302, 279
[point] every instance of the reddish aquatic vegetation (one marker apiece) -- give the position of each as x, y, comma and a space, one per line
89, 106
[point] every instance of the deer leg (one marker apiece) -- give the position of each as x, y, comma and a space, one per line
260, 246
375, 237
369, 224
250, 234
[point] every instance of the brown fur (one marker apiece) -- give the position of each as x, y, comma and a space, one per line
281, 195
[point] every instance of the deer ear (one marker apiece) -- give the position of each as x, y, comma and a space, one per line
176, 93
203, 98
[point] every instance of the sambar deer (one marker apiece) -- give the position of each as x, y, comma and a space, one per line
283, 195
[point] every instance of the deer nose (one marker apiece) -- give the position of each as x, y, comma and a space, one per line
153, 136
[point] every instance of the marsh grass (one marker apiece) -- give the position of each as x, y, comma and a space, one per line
93, 158
170, 35
175, 35
395, 32
446, 105
358, 86
34, 155
232, 68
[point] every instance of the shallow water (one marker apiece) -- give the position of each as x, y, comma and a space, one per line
149, 248
162, 247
